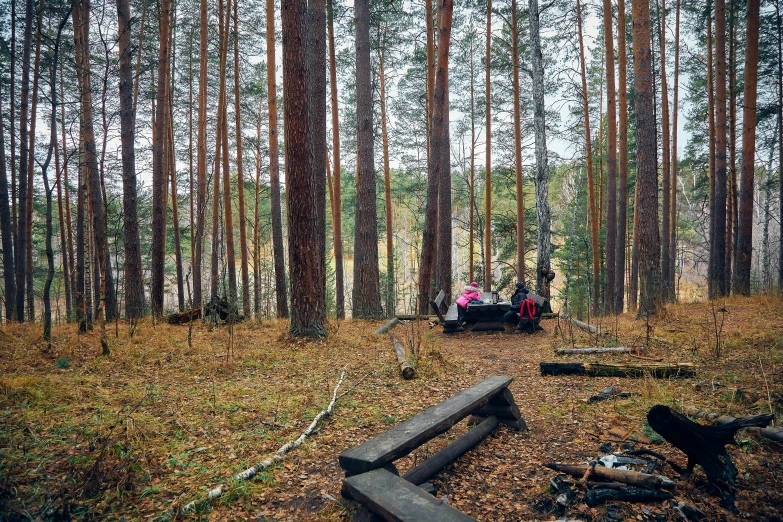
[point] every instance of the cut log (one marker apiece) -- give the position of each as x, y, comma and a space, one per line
596, 497
385, 327
632, 478
409, 435
184, 317
775, 434
501, 411
705, 445
583, 351
584, 326
406, 369
413, 317
433, 465
659, 370
396, 499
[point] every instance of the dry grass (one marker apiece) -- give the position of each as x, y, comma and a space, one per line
140, 433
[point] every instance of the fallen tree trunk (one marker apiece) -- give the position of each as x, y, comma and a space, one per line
406, 369
775, 434
596, 497
279, 455
582, 351
432, 466
184, 317
633, 478
391, 323
584, 326
413, 317
659, 370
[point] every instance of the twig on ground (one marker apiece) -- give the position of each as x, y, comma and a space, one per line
279, 455
766, 384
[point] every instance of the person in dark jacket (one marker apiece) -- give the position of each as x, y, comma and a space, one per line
520, 294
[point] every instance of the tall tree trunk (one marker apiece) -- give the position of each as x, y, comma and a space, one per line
711, 149
201, 160
719, 286
622, 202
766, 265
590, 183
390, 295
31, 169
732, 222
305, 238
138, 61
12, 133
191, 186
544, 220
71, 262
336, 189
518, 145
674, 169
81, 9
134, 279
61, 219
228, 207
366, 294
172, 170
80, 294
666, 278
47, 316
256, 218
159, 175
471, 211
442, 155
6, 228
240, 175
219, 151
780, 139
745, 238
611, 161
488, 162
647, 179
278, 252
20, 252
428, 14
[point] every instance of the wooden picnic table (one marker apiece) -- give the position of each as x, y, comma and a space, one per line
488, 315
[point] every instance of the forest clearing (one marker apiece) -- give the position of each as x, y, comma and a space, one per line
149, 429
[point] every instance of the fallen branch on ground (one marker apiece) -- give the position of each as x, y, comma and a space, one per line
633, 478
385, 327
659, 370
584, 326
407, 371
279, 455
582, 351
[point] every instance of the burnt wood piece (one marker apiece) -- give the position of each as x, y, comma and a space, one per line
611, 392
501, 411
406, 370
512, 424
554, 368
451, 321
433, 465
184, 317
775, 434
414, 317
633, 478
659, 370
436, 304
395, 499
409, 435
704, 445
596, 497
588, 351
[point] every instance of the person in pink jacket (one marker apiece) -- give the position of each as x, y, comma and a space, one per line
471, 293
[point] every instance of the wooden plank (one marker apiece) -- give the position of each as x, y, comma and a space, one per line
397, 500
433, 465
435, 304
453, 314
409, 435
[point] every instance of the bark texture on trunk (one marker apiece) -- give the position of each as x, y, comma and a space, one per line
719, 286
390, 294
543, 216
611, 161
745, 238
21, 238
336, 172
366, 291
488, 163
647, 180
278, 250
134, 279
520, 264
201, 160
6, 229
667, 288
240, 174
596, 275
622, 197
305, 239
159, 174
674, 170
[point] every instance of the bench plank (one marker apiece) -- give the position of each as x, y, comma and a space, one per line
409, 435
397, 500
437, 302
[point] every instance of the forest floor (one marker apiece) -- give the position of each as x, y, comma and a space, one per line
140, 433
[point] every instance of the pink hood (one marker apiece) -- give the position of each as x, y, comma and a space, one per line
471, 293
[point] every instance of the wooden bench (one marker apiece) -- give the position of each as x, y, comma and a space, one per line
451, 321
394, 498
398, 498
